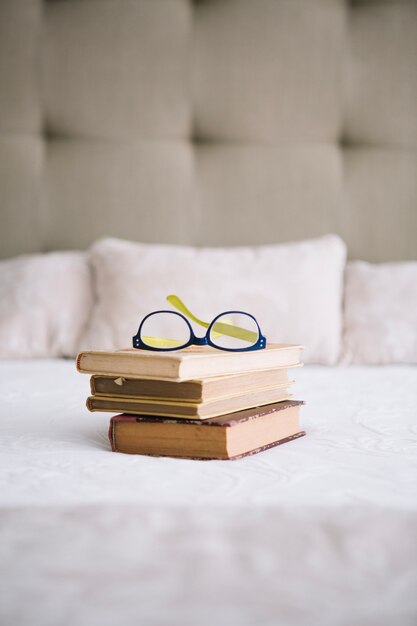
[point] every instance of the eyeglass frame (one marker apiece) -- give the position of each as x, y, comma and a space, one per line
194, 340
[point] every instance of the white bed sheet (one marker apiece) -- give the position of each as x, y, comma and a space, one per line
320, 530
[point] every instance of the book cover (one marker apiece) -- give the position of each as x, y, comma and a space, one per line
188, 364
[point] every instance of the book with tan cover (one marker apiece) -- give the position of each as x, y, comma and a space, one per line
181, 409
226, 437
202, 390
187, 364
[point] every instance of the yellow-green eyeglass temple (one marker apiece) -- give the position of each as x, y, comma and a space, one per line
222, 328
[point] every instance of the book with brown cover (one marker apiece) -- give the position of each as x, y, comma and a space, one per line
195, 410
187, 364
203, 390
226, 437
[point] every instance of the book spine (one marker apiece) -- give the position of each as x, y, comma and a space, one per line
112, 436
128, 368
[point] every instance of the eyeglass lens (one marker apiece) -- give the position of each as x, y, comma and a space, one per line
234, 331
165, 330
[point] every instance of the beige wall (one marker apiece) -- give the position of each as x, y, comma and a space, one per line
212, 122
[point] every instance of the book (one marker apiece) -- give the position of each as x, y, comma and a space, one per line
197, 410
226, 437
190, 363
202, 390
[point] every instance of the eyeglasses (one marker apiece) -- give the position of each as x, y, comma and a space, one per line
235, 331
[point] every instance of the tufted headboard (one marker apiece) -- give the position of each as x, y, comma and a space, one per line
212, 122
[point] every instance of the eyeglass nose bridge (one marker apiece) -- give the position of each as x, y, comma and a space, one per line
200, 341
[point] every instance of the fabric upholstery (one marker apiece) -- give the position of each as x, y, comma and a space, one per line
269, 71
294, 290
380, 313
209, 122
117, 69
106, 174
382, 74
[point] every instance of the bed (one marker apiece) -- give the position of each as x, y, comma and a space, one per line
321, 530
209, 123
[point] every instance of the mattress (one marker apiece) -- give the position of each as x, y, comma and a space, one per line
322, 530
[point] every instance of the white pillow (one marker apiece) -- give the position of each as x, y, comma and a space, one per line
380, 313
294, 289
45, 302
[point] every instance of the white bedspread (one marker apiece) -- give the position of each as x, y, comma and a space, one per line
322, 530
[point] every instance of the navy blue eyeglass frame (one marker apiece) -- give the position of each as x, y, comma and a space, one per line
197, 341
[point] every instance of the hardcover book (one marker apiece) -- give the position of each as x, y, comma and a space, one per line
226, 437
181, 409
202, 390
188, 364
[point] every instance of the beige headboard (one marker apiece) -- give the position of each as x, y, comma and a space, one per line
210, 122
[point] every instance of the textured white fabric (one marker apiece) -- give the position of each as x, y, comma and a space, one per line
186, 566
380, 315
360, 447
45, 302
318, 531
294, 290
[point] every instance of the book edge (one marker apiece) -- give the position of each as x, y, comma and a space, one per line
261, 411
163, 415
152, 400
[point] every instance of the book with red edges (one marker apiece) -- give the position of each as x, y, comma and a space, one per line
229, 436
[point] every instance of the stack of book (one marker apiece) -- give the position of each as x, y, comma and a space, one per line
198, 402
